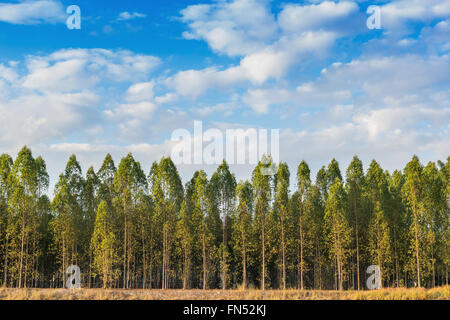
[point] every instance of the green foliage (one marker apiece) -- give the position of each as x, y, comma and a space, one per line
126, 230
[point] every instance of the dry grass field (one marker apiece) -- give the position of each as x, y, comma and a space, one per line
442, 293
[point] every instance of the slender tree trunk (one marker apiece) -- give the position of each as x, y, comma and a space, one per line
263, 275
244, 260
90, 269
185, 270
204, 261
417, 254
301, 244
21, 252
357, 248
283, 252
224, 266
446, 274
5, 266
125, 251
163, 284
144, 271
433, 272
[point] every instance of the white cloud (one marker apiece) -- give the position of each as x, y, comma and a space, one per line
129, 16
76, 69
7, 73
36, 118
63, 93
32, 12
391, 120
268, 46
235, 28
367, 83
297, 18
396, 14
140, 91
257, 68
141, 111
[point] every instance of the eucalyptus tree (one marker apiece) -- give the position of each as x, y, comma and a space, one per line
104, 245
6, 163
435, 213
262, 189
185, 232
445, 242
338, 230
203, 237
379, 233
379, 244
105, 176
223, 188
68, 223
63, 225
313, 233
413, 195
43, 179
41, 241
185, 238
242, 225
129, 182
304, 183
321, 183
167, 193
145, 229
398, 225
75, 187
332, 173
354, 186
90, 205
281, 208
24, 221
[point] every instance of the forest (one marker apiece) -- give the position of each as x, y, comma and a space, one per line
130, 228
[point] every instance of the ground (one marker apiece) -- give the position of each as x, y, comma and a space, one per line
441, 293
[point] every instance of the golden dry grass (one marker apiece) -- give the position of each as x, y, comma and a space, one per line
441, 293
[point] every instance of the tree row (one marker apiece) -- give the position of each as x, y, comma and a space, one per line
127, 228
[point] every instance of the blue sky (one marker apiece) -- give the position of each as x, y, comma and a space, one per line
138, 70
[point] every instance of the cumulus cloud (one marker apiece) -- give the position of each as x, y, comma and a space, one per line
61, 94
257, 68
33, 118
76, 69
268, 45
234, 28
140, 91
395, 15
369, 82
32, 12
297, 18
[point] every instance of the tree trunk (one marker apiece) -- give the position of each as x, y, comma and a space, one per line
244, 260
204, 261
263, 275
125, 252
417, 255
224, 262
283, 252
21, 252
357, 248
